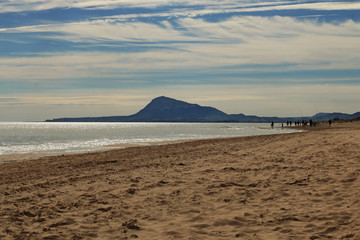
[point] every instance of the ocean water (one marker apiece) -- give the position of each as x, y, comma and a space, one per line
41, 137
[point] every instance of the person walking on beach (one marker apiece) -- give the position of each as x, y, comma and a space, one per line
330, 122
272, 124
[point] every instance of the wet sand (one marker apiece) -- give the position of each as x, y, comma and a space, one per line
292, 186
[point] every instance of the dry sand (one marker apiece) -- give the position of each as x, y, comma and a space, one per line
291, 186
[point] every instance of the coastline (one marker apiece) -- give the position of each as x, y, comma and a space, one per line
16, 157
286, 186
19, 157
31, 155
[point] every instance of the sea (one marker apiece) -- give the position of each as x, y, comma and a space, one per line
51, 137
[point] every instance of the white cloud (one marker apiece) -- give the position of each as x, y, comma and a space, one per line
211, 6
236, 41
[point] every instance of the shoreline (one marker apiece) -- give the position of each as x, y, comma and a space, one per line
15, 157
19, 157
286, 186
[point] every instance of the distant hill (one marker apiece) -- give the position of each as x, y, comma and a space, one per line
164, 109
324, 116
161, 109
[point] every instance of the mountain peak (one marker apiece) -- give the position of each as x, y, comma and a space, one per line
164, 100
168, 109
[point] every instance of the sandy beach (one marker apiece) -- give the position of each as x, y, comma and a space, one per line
290, 186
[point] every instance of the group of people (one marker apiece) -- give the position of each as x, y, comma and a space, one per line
310, 123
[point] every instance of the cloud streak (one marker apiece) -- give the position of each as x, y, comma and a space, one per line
194, 43
231, 5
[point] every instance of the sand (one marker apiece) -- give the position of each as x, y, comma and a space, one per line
291, 186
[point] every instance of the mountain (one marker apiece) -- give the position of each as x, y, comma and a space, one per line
161, 109
336, 115
164, 109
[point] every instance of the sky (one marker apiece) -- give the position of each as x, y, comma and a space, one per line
76, 58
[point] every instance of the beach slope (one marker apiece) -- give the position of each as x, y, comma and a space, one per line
291, 186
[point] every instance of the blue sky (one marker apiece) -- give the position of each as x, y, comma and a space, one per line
111, 57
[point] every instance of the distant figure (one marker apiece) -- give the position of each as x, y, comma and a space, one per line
330, 122
272, 124
282, 125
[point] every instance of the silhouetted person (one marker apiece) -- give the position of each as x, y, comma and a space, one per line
272, 124
330, 122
